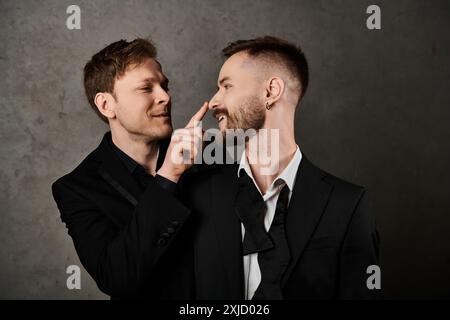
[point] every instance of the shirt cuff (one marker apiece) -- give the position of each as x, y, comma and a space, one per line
166, 184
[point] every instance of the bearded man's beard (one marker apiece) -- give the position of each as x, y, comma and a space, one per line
249, 115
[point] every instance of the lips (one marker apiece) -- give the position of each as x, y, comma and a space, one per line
219, 115
161, 115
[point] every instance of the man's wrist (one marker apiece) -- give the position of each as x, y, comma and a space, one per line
168, 174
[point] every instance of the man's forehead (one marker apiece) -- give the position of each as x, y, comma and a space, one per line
235, 61
148, 70
233, 67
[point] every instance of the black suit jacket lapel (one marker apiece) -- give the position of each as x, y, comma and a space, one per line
115, 173
228, 229
308, 202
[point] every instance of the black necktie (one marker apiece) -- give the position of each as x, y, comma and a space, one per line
272, 246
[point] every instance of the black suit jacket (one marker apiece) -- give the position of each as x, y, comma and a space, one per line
330, 231
134, 243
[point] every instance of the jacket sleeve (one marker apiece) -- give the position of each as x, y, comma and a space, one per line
359, 251
121, 261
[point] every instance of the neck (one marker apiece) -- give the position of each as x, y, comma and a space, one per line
140, 149
280, 151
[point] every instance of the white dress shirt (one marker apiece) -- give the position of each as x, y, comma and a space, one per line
252, 272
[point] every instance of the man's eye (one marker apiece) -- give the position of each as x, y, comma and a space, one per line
147, 89
227, 86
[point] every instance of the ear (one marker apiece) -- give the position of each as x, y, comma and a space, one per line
105, 103
274, 90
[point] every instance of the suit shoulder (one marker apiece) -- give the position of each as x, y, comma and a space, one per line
340, 184
85, 168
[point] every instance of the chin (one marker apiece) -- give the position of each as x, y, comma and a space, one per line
165, 132
162, 132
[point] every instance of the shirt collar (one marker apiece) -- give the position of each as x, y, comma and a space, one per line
129, 162
288, 175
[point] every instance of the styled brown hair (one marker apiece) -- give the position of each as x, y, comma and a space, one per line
275, 49
101, 72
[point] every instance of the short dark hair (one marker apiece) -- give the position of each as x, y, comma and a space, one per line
101, 72
289, 54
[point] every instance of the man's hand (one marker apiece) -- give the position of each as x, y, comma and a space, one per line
184, 147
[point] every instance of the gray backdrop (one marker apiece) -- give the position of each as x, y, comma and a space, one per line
376, 114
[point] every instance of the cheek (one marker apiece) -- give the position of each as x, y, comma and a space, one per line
235, 99
232, 101
142, 100
132, 109
140, 104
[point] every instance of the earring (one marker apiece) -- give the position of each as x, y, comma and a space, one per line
268, 106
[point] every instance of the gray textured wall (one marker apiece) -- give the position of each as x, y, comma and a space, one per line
376, 114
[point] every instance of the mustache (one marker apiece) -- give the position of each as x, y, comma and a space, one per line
218, 111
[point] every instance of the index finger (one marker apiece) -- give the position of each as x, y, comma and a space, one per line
199, 115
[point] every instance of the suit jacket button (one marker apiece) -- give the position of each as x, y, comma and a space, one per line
162, 242
165, 235
170, 230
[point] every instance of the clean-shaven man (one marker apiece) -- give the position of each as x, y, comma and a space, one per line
119, 204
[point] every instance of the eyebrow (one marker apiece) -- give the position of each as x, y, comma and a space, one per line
165, 81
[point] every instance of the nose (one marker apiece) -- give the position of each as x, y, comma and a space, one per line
214, 102
163, 97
